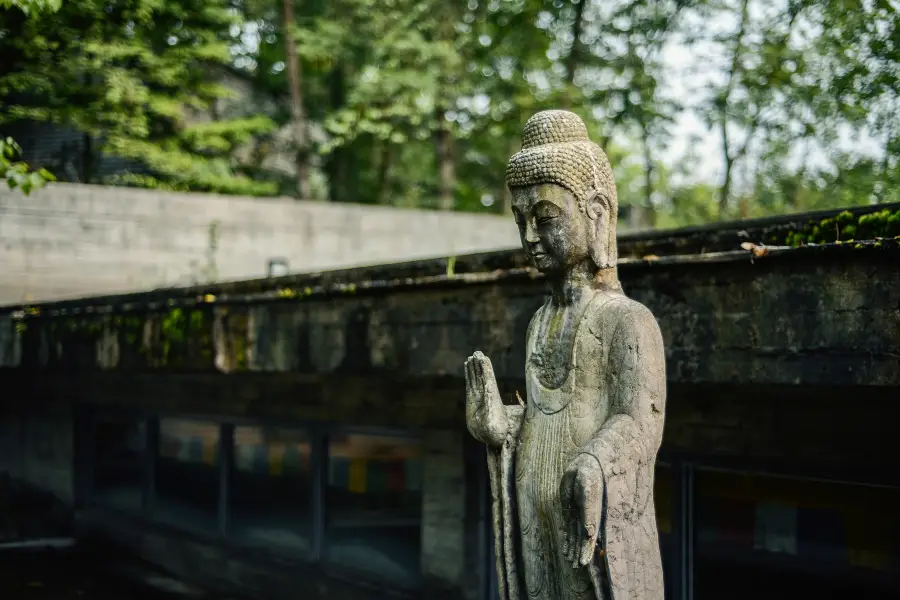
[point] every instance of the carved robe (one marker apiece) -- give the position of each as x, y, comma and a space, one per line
611, 405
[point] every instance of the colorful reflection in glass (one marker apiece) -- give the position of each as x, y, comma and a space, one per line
187, 473
118, 473
834, 533
374, 505
272, 486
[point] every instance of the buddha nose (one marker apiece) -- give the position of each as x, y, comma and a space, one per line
531, 235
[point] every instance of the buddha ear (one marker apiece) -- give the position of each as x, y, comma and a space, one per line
596, 209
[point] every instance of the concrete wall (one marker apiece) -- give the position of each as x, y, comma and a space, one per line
71, 240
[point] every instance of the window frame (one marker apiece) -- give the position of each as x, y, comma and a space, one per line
684, 528
319, 435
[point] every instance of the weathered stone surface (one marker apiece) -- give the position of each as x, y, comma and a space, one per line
723, 321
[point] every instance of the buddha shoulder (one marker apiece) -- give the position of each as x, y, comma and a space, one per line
621, 317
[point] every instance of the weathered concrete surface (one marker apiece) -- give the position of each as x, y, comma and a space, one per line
803, 316
789, 362
70, 240
762, 356
67, 241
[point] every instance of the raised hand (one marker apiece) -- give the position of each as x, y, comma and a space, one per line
485, 415
581, 495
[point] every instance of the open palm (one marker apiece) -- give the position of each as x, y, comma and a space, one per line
485, 415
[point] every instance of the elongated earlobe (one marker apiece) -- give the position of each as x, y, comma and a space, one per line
598, 219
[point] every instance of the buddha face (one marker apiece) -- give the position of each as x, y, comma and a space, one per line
555, 234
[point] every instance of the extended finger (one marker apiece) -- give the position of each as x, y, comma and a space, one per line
588, 543
487, 369
568, 542
470, 374
576, 541
588, 496
478, 359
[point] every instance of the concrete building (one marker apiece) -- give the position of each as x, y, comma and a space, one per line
304, 436
70, 240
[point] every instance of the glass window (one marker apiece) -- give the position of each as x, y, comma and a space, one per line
187, 473
374, 505
271, 486
831, 539
119, 451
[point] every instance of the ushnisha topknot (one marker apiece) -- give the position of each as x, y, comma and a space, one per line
556, 149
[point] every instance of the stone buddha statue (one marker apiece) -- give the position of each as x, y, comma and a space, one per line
572, 470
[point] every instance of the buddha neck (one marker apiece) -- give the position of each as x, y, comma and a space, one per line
570, 289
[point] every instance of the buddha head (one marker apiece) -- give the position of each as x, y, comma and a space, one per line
564, 196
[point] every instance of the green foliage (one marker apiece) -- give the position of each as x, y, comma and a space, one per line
17, 173
409, 101
32, 7
139, 78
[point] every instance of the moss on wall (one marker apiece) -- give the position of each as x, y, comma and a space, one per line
846, 227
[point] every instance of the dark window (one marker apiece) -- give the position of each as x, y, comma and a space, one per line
272, 486
374, 505
119, 453
829, 539
664, 500
187, 473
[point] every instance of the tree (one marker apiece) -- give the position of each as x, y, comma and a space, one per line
858, 67
403, 92
17, 173
135, 79
32, 7
295, 81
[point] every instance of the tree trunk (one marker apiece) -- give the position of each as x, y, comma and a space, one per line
446, 167
87, 159
574, 53
733, 72
725, 190
648, 219
384, 168
336, 162
294, 76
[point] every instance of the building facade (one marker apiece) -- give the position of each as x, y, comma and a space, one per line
307, 434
